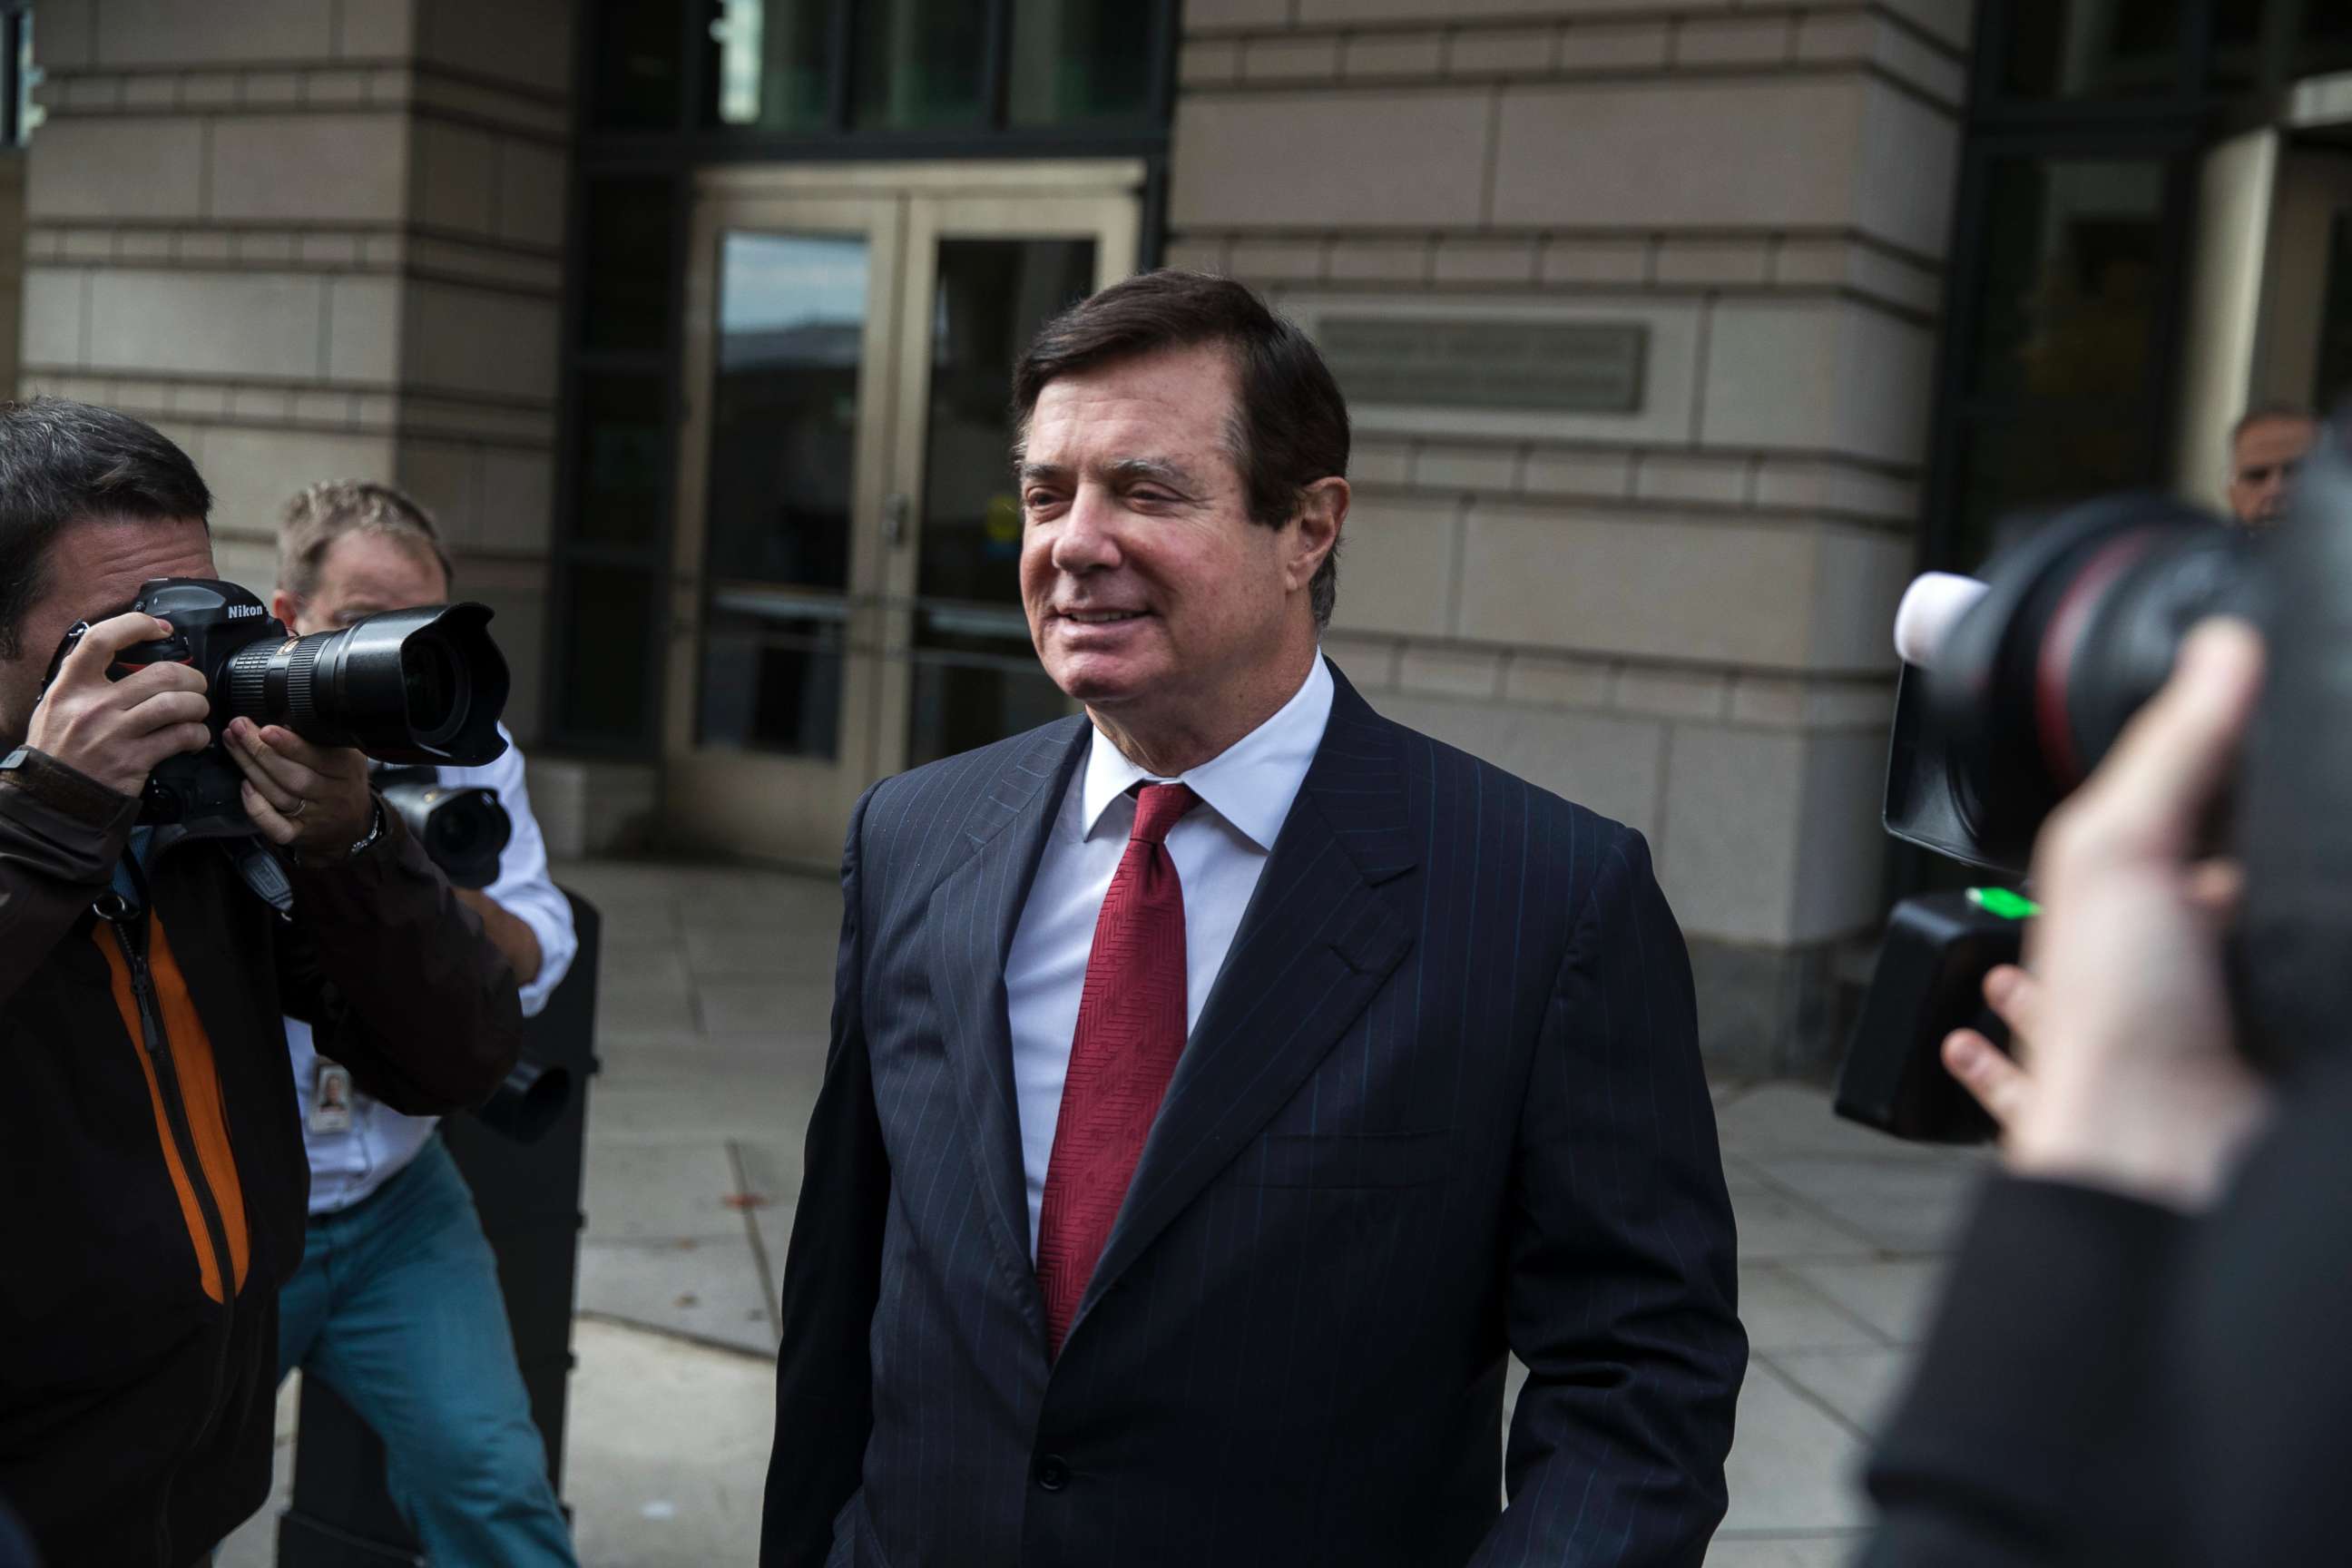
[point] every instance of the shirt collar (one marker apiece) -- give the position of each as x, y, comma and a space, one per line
1251, 783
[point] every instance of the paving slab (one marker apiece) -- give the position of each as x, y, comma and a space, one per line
661, 1192
1900, 1206
1860, 1385
1791, 1469
1774, 1227
1794, 1119
1896, 1298
1833, 1550
666, 1465
1781, 1312
707, 1290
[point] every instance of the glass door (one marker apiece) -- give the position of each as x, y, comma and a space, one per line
845, 592
773, 677
983, 273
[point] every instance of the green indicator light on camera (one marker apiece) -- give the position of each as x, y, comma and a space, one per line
2000, 902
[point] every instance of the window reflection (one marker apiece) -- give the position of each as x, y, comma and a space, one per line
783, 452
976, 677
769, 64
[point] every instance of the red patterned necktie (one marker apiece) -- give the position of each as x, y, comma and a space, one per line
1131, 1032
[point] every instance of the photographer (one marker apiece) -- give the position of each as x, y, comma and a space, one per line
153, 1174
2141, 1357
397, 1303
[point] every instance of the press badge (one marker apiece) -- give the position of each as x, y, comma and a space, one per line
330, 1099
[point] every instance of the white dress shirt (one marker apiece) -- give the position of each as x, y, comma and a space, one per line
348, 1165
1219, 848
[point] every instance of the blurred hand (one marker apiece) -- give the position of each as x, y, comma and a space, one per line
310, 799
2126, 1075
117, 731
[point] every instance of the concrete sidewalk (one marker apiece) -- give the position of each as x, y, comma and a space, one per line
713, 1013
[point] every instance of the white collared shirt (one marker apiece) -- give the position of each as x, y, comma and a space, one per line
349, 1164
1219, 848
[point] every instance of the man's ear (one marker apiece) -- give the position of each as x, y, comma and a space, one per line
283, 606
1322, 512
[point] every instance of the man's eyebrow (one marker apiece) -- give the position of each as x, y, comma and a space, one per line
1135, 470
1126, 471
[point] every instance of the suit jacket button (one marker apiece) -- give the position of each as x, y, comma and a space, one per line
1053, 1472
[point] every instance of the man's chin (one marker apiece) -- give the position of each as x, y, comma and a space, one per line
1099, 682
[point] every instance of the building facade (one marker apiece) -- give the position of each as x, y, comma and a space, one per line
1678, 334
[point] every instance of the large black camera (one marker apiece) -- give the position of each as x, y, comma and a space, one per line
423, 685
2014, 691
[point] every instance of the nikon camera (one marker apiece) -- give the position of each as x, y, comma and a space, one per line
420, 686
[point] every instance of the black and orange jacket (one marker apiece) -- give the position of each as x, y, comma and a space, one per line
152, 1183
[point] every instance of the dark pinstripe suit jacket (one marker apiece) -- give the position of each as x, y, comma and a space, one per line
1445, 1101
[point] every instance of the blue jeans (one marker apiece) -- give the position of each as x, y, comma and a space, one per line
397, 1307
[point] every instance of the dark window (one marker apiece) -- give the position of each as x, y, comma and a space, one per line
2059, 384
2333, 382
922, 64
2072, 247
606, 614
2094, 50
1080, 61
628, 237
634, 61
624, 438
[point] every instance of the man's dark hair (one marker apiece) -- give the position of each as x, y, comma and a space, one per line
1290, 425
61, 462
2277, 408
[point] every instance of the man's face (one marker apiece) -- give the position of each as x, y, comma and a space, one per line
1146, 583
93, 571
2262, 464
364, 575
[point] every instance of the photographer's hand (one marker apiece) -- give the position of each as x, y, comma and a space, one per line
310, 799
2130, 1081
115, 731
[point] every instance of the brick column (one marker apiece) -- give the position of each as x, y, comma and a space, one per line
316, 239
1680, 616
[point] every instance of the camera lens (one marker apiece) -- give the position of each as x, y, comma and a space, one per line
2077, 628
407, 686
463, 829
429, 674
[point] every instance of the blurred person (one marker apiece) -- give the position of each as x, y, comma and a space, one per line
1222, 1082
153, 1171
2267, 445
397, 1305
2140, 1358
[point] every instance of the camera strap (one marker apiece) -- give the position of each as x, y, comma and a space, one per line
261, 871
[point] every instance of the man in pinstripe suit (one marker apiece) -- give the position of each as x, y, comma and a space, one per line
1221, 1083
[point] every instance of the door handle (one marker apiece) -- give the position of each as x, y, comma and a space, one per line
895, 513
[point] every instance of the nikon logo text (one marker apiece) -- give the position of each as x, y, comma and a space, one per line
245, 612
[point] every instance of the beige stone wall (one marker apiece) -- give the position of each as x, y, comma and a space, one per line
317, 240
1678, 616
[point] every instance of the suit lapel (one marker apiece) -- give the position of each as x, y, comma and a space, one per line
970, 922
1313, 947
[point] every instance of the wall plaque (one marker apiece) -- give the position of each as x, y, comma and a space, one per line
1570, 367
